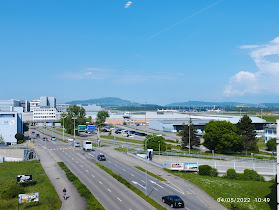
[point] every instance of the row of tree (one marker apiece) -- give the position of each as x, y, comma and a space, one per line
79, 113
223, 136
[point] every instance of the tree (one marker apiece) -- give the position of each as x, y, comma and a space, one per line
271, 144
222, 136
154, 142
1, 139
25, 127
247, 132
102, 116
73, 111
194, 140
19, 137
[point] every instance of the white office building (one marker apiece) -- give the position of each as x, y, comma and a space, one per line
34, 104
270, 132
47, 102
7, 105
10, 125
45, 115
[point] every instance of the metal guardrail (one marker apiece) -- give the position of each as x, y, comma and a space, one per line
143, 159
215, 157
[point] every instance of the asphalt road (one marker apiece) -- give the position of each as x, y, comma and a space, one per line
109, 192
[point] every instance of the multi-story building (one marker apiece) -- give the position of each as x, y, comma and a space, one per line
270, 132
45, 115
6, 105
25, 104
11, 124
34, 104
47, 102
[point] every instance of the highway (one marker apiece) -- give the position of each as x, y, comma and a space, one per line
109, 192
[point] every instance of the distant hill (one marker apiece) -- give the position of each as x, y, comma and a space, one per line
270, 105
220, 104
107, 101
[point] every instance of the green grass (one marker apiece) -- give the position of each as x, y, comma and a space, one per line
131, 187
48, 198
92, 202
123, 149
270, 118
123, 139
151, 174
261, 144
218, 187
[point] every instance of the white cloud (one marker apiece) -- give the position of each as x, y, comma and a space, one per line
128, 4
265, 80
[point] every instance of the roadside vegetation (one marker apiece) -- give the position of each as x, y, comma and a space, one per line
9, 190
131, 187
92, 202
123, 139
270, 118
151, 174
220, 187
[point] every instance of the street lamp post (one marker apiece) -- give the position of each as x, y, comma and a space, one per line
240, 112
146, 162
262, 113
63, 126
159, 146
189, 135
74, 118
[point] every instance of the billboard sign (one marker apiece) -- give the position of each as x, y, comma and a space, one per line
29, 197
177, 166
91, 127
191, 166
24, 178
81, 127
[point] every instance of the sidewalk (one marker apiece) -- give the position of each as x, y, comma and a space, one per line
177, 181
59, 180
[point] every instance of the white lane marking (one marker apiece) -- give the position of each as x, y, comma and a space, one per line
142, 181
72, 158
81, 166
155, 183
66, 153
155, 188
119, 199
132, 175
62, 151
109, 190
138, 184
76, 162
86, 171
93, 176
109, 161
186, 208
100, 182
123, 169
116, 165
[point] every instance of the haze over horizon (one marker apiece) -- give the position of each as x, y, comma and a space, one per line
155, 52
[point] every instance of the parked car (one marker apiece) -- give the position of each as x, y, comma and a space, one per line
173, 201
101, 157
70, 139
105, 130
53, 138
117, 131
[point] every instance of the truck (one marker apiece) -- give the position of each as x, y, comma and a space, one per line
87, 145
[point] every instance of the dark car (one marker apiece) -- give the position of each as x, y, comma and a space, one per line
101, 157
117, 131
132, 132
37, 135
44, 138
173, 201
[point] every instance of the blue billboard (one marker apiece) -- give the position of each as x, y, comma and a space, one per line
91, 127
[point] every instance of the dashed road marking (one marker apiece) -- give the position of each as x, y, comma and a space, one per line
93, 176
81, 166
119, 199
123, 169
100, 182
109, 190
86, 171
132, 175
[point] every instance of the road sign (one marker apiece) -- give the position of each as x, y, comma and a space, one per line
81, 127
91, 127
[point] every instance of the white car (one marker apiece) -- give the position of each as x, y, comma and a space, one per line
70, 139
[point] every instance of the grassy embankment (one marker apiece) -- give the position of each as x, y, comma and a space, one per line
218, 187
131, 187
92, 202
9, 190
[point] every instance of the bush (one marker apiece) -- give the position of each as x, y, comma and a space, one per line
252, 175
240, 176
271, 144
231, 174
213, 172
168, 147
204, 170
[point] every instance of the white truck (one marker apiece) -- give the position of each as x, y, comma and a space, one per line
87, 145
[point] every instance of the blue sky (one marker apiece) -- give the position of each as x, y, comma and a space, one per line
153, 51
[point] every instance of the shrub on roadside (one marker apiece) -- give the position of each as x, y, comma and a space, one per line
252, 175
204, 170
213, 172
231, 174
